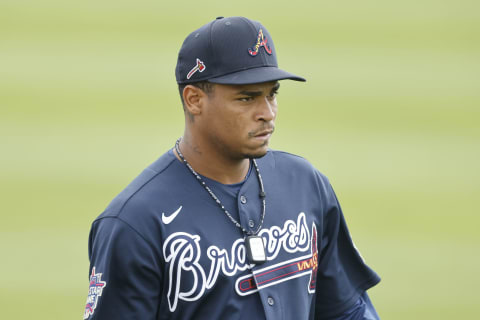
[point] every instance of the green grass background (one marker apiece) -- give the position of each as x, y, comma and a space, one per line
390, 113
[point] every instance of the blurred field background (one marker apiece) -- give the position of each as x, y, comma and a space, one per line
390, 113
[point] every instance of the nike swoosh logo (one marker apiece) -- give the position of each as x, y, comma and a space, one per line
168, 219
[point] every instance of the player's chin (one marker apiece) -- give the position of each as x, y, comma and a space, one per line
257, 152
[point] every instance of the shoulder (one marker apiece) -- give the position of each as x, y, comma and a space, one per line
144, 189
289, 172
282, 162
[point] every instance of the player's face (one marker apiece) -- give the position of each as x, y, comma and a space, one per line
241, 118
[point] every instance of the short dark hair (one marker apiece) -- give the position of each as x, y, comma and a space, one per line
205, 86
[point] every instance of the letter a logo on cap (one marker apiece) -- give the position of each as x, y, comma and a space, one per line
261, 42
199, 67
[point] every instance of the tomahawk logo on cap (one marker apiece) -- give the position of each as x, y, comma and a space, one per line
200, 66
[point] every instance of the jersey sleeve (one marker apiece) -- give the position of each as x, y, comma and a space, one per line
342, 275
361, 310
124, 273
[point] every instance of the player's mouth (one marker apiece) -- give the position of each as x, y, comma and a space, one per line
262, 135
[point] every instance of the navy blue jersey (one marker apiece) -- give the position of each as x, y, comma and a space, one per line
163, 249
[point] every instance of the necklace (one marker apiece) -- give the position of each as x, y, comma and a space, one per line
255, 247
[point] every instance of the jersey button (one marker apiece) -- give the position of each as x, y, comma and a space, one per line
243, 199
251, 223
270, 301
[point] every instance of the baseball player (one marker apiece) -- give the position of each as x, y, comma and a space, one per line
220, 226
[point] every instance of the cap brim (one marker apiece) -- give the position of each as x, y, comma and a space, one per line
255, 75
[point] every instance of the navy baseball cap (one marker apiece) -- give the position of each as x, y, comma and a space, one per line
233, 50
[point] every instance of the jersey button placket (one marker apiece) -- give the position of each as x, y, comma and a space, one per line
243, 199
270, 301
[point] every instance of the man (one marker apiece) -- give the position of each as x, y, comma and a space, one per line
221, 227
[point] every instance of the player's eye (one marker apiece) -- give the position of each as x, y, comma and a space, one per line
273, 94
245, 99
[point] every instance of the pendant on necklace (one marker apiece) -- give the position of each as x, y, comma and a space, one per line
255, 249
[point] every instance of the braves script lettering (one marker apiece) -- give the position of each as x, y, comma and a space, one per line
182, 252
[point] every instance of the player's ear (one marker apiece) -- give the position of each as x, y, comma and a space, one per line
194, 99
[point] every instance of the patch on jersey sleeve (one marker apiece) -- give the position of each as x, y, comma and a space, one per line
94, 292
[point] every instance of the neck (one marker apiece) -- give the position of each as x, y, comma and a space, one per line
212, 164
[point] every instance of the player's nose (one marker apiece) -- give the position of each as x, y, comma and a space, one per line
267, 109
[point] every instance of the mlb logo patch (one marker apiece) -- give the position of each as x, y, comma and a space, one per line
94, 292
